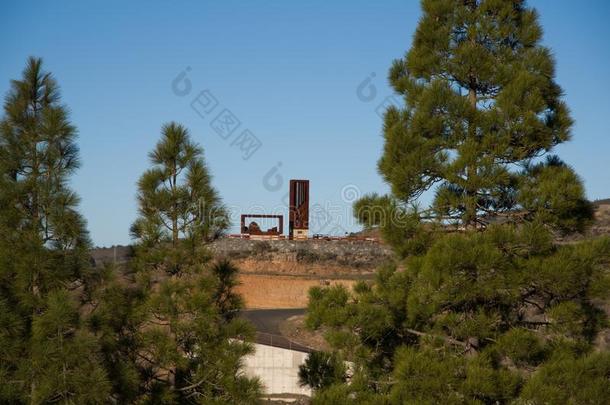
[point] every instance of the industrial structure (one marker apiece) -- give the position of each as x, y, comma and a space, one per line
253, 229
298, 225
298, 214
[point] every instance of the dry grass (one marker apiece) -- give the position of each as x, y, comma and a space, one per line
275, 291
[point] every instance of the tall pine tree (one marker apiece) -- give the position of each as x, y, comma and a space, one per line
47, 354
171, 335
482, 306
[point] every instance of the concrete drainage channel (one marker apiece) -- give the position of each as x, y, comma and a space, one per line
276, 359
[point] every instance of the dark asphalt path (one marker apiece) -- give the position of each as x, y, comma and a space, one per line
267, 323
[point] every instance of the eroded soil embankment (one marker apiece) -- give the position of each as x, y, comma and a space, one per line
279, 274
277, 291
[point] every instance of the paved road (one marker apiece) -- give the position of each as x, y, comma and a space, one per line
267, 323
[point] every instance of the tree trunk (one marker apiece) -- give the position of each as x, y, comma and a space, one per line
175, 207
470, 217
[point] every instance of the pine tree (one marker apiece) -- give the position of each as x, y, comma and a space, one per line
482, 305
175, 197
227, 300
117, 320
171, 334
480, 100
47, 354
193, 353
321, 370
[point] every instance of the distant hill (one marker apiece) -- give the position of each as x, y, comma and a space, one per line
111, 255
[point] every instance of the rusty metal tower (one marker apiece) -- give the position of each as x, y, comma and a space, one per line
298, 224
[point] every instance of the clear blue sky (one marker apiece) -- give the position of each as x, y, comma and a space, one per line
288, 71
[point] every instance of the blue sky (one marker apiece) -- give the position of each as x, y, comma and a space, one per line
287, 71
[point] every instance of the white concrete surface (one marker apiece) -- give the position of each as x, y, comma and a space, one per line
277, 368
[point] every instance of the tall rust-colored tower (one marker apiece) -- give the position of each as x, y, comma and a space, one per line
298, 224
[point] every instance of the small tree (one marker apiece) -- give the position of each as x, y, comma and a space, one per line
227, 300
321, 370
